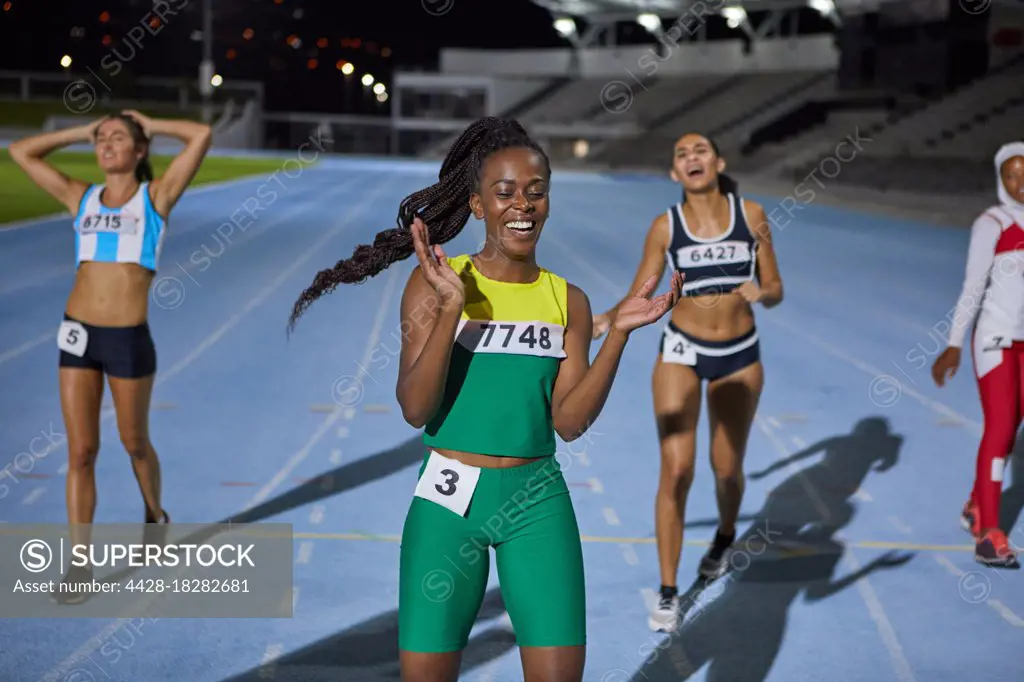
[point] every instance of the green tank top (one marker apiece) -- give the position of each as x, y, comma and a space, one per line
505, 358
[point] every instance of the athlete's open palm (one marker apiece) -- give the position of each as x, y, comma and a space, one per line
639, 310
436, 270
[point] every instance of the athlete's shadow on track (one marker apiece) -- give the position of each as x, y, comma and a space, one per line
345, 477
1013, 497
368, 651
789, 549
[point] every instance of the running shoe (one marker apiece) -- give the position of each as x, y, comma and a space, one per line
715, 562
665, 617
993, 549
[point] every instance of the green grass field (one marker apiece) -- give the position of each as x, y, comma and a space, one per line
20, 198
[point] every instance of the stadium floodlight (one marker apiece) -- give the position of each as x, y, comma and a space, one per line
565, 26
824, 7
347, 68
650, 21
217, 80
367, 80
65, 61
734, 16
379, 88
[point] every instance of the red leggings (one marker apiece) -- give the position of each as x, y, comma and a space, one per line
1002, 401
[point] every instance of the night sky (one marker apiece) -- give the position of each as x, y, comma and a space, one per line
294, 46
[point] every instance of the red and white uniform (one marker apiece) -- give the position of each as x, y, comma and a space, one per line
994, 291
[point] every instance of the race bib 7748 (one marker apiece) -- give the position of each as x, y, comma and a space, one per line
542, 339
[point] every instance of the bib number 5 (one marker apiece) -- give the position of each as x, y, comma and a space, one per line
448, 482
72, 338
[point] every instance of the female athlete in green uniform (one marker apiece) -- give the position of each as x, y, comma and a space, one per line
495, 360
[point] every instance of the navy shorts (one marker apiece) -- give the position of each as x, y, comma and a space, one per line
123, 352
709, 359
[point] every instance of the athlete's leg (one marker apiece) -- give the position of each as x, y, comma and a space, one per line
677, 409
81, 396
732, 403
999, 389
540, 568
131, 401
442, 580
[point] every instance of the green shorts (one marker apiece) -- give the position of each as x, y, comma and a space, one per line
525, 513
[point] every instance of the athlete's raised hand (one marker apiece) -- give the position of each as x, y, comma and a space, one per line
438, 273
638, 310
946, 365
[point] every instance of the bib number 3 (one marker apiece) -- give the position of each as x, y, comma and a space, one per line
448, 482
72, 338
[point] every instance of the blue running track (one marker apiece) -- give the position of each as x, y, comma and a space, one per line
857, 466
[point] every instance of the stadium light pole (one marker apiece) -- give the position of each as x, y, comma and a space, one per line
206, 66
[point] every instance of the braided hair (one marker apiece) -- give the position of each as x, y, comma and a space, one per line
443, 207
726, 183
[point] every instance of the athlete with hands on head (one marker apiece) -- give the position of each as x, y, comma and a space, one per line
120, 227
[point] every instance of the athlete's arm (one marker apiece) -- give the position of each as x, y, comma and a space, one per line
428, 331
168, 188
28, 153
581, 389
652, 262
980, 256
768, 277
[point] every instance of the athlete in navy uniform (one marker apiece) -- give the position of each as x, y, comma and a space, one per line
120, 227
719, 242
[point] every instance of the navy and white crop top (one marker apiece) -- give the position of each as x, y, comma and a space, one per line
712, 266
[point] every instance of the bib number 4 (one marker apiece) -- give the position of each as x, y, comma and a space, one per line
448, 482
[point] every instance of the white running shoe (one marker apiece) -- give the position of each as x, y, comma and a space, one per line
665, 617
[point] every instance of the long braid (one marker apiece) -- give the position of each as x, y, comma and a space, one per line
443, 207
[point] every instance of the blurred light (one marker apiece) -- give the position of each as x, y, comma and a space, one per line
65, 61
278, 2
76, 32
824, 7
581, 148
367, 80
216, 80
104, 17
247, 34
385, 52
382, 97
347, 69
108, 41
154, 23
196, 36
565, 26
734, 16
294, 41
650, 21
297, 14
312, 64
379, 89
322, 43
356, 42
231, 54
7, 6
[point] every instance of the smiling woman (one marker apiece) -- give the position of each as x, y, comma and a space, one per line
486, 332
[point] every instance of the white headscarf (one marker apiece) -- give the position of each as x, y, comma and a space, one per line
1006, 152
